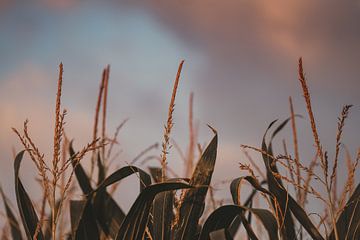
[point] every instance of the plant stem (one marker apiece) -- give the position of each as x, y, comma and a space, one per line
333, 220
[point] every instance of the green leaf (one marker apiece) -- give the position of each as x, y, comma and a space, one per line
124, 172
162, 212
268, 220
235, 185
223, 217
221, 234
27, 212
133, 227
80, 173
275, 187
13, 222
348, 224
76, 210
281, 126
234, 189
109, 215
155, 173
250, 232
284, 199
302, 217
83, 221
107, 211
101, 169
193, 202
162, 215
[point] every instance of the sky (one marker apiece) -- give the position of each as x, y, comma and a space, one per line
240, 57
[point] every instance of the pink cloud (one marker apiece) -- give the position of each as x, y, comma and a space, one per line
59, 5
236, 29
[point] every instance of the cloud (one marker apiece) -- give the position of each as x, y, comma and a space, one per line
17, 100
51, 4
234, 32
60, 5
251, 50
4, 4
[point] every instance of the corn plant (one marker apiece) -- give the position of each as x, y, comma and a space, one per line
159, 213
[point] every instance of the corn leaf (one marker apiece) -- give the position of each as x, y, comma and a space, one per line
223, 217
27, 212
80, 173
285, 201
133, 227
268, 220
234, 189
83, 221
193, 202
108, 213
275, 187
101, 169
155, 173
162, 212
124, 172
13, 222
162, 215
221, 234
235, 185
106, 209
348, 224
76, 210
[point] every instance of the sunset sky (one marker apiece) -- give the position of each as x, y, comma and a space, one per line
240, 57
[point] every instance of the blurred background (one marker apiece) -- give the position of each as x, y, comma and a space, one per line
240, 57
